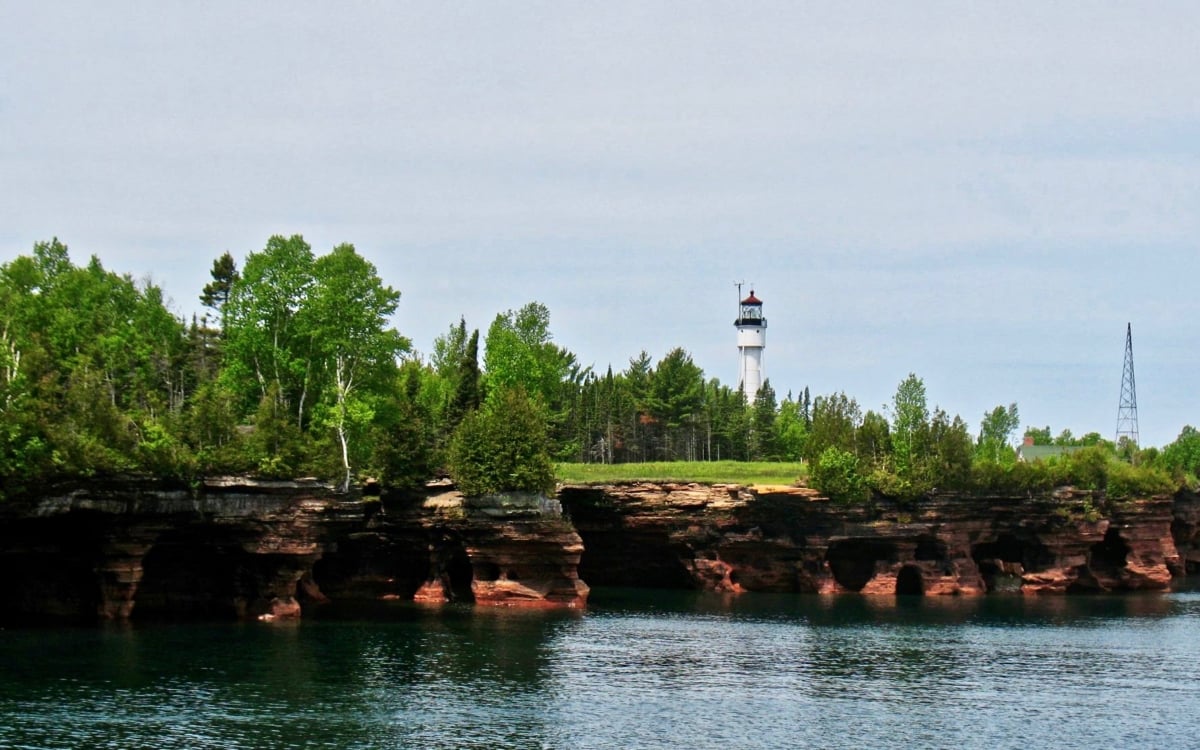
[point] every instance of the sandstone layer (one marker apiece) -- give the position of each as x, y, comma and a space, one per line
733, 539
238, 548
232, 547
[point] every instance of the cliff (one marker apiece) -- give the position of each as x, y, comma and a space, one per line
232, 547
728, 538
242, 548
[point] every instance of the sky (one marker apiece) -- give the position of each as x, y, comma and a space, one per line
983, 194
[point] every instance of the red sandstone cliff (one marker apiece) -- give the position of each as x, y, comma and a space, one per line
243, 548
727, 538
259, 549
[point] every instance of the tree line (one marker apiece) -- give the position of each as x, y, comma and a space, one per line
296, 370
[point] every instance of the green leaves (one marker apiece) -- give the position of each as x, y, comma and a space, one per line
836, 474
910, 424
502, 447
265, 337
995, 431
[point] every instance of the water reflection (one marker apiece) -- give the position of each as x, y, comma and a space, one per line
837, 611
638, 669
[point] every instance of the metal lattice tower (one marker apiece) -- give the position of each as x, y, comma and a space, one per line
1127, 419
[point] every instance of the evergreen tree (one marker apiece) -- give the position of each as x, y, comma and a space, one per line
502, 447
224, 275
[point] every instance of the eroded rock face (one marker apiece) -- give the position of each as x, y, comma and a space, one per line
269, 550
1185, 528
253, 549
731, 539
109, 548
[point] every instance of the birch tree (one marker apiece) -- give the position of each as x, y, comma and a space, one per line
346, 317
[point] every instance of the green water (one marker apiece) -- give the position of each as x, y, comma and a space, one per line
638, 669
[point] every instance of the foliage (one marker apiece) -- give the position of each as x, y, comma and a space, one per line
402, 446
835, 420
836, 474
1181, 459
266, 338
948, 465
502, 447
346, 315
764, 437
791, 430
995, 431
709, 472
302, 377
1127, 480
910, 425
224, 275
1042, 436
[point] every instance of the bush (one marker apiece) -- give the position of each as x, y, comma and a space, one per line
502, 447
1138, 481
836, 475
1086, 469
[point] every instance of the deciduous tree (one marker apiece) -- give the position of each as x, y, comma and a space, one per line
347, 315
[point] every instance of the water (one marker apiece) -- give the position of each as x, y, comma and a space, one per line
637, 670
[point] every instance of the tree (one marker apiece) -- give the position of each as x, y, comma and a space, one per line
836, 474
950, 445
467, 391
874, 439
346, 315
401, 438
790, 431
910, 423
995, 430
519, 352
1182, 457
265, 338
224, 275
502, 447
676, 393
762, 430
1040, 436
835, 421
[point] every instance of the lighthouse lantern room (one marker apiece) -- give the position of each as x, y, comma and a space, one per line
751, 340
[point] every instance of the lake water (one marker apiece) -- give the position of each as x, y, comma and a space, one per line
637, 670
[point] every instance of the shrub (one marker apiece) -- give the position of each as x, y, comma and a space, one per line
1138, 481
836, 475
502, 447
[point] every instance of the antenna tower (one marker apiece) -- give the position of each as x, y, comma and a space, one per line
1127, 419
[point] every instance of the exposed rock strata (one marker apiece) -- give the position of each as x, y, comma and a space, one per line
255, 549
733, 539
1185, 527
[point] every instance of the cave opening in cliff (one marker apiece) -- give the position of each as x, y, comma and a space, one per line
52, 570
486, 572
1002, 561
618, 557
853, 561
460, 573
930, 549
909, 581
187, 577
1110, 554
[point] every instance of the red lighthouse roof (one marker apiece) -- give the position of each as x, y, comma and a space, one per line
752, 300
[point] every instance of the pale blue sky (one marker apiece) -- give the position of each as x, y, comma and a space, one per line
983, 194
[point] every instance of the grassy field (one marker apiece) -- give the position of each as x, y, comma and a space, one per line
709, 472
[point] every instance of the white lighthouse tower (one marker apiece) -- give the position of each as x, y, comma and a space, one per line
751, 340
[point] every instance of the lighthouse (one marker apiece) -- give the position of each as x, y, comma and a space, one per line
751, 340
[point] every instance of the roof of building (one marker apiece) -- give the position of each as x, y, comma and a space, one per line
752, 300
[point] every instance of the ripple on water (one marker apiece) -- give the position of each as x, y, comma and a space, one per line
677, 672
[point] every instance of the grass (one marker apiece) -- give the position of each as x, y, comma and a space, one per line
705, 472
